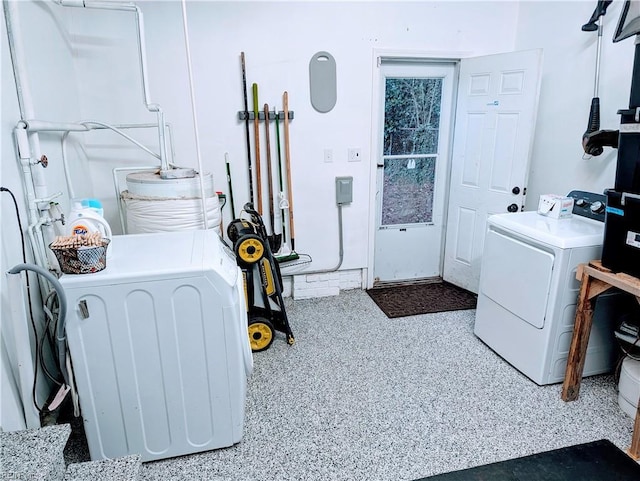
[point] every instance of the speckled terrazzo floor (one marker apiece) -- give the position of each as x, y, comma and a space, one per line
363, 397
33, 454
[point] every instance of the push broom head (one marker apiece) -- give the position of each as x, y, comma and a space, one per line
292, 256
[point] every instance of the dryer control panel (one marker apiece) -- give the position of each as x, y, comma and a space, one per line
588, 204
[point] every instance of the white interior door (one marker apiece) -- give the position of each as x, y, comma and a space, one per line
412, 164
493, 134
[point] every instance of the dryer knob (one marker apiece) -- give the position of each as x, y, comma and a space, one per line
580, 202
597, 207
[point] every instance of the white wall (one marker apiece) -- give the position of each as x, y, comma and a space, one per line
10, 401
557, 165
279, 39
82, 64
50, 67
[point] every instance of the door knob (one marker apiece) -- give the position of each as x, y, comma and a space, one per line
513, 208
516, 190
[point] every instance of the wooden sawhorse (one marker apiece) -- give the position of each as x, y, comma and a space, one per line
595, 280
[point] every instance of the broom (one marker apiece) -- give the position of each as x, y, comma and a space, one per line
286, 203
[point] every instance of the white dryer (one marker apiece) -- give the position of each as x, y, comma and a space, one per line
528, 290
160, 347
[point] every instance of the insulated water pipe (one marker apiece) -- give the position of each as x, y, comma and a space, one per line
62, 314
151, 107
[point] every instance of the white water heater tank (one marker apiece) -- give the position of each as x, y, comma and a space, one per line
153, 204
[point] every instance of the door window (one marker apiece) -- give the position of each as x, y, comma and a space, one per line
408, 190
411, 134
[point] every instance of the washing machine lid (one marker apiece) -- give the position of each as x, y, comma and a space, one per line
148, 257
576, 231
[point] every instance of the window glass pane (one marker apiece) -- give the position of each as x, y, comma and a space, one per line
412, 115
407, 191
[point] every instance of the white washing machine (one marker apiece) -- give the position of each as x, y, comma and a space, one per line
159, 346
528, 290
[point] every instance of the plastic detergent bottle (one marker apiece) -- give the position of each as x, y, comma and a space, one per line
86, 217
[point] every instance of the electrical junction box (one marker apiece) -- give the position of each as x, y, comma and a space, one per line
344, 190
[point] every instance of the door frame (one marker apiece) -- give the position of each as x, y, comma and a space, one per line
375, 148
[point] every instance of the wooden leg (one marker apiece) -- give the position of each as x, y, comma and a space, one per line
634, 450
579, 341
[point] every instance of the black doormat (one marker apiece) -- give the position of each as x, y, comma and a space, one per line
595, 461
414, 299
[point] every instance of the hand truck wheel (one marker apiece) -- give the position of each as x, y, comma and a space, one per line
249, 249
261, 333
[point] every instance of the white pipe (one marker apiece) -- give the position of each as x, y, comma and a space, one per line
33, 125
16, 50
194, 113
88, 124
36, 215
37, 239
92, 124
38, 251
85, 126
47, 200
18, 60
39, 181
28, 142
25, 103
45, 228
121, 133
164, 162
171, 143
24, 157
151, 107
65, 166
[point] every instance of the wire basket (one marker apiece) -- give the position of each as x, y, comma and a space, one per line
82, 260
